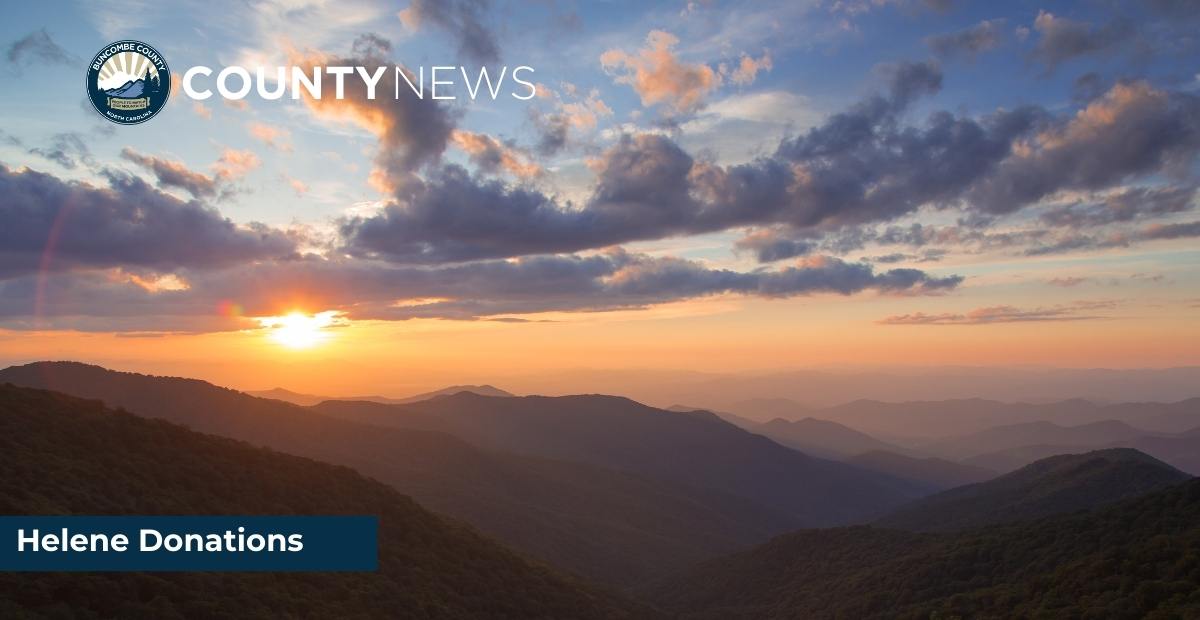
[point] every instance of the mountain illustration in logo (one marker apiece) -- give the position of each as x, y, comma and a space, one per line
128, 75
132, 88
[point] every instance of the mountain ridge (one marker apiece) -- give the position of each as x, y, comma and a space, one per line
684, 448
1057, 484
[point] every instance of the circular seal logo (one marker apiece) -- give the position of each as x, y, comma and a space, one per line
128, 82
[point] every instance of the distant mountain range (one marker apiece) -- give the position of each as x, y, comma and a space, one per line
306, 400
1134, 559
822, 437
132, 88
915, 422
988, 434
1055, 485
699, 451
930, 471
1012, 436
822, 388
61, 455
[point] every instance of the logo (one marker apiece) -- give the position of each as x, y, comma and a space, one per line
128, 82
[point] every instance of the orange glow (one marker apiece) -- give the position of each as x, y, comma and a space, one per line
297, 330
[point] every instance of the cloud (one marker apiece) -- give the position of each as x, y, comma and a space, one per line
769, 246
298, 186
38, 47
365, 290
66, 149
201, 110
1075, 241
461, 19
969, 42
1063, 39
412, 131
1066, 282
491, 155
1087, 87
906, 81
1123, 206
170, 173
1181, 230
1078, 311
647, 187
746, 70
55, 224
862, 166
272, 136
774, 106
1132, 130
234, 164
571, 113
659, 77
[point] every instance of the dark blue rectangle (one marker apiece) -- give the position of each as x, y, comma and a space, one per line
329, 543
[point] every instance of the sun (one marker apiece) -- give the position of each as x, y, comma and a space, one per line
297, 330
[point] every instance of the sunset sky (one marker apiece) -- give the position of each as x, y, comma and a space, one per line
706, 186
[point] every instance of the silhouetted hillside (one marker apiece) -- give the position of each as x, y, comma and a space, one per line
933, 472
1055, 485
606, 525
696, 450
1136, 559
61, 456
821, 437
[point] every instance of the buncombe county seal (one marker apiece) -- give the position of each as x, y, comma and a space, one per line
128, 82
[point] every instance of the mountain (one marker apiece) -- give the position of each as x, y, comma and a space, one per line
1135, 559
1158, 417
925, 421
606, 525
482, 390
733, 419
700, 451
815, 388
1093, 435
288, 396
307, 400
1059, 484
932, 472
131, 88
766, 409
821, 437
1180, 451
63, 456
1011, 459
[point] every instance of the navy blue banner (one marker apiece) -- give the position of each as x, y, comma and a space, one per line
224, 543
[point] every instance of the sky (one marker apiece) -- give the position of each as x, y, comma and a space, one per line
701, 186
